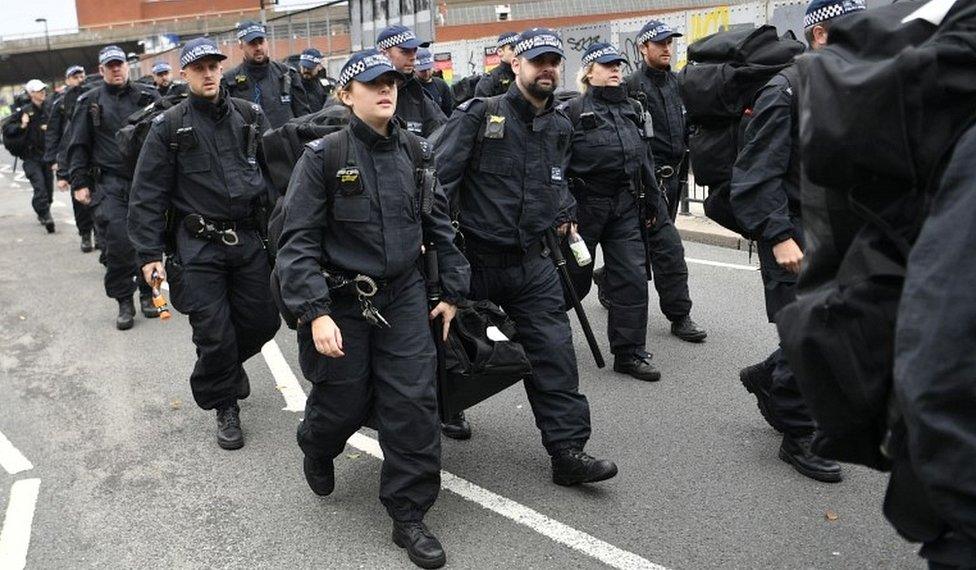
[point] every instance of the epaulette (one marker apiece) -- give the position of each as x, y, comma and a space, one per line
316, 145
464, 106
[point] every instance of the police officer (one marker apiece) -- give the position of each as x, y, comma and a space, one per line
497, 81
656, 87
436, 87
310, 65
98, 178
765, 198
55, 143
414, 106
276, 88
162, 74
609, 168
200, 165
501, 161
28, 124
364, 341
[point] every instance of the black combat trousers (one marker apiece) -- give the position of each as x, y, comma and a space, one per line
612, 222
532, 295
786, 404
111, 203
388, 376
42, 181
225, 291
668, 266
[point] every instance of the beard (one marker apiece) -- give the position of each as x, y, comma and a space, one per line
539, 91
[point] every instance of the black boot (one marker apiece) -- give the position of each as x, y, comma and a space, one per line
637, 365
148, 309
422, 546
796, 451
320, 475
573, 466
457, 427
86, 244
127, 313
229, 435
47, 221
599, 276
757, 379
688, 330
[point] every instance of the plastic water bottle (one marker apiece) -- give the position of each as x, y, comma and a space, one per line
579, 249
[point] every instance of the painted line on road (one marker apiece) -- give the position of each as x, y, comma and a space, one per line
12, 460
721, 264
516, 512
6, 169
286, 381
16, 533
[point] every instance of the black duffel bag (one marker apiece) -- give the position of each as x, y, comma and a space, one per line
474, 363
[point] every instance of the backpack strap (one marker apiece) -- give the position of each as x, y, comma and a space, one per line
337, 156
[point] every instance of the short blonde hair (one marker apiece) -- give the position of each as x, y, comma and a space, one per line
582, 78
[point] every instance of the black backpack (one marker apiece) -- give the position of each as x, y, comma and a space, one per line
14, 139
132, 136
337, 155
284, 146
725, 71
914, 88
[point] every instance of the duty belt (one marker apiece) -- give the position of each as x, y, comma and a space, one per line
364, 288
219, 231
498, 257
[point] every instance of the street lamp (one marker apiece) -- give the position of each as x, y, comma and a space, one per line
47, 41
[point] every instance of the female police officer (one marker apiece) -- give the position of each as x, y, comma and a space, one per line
609, 168
348, 264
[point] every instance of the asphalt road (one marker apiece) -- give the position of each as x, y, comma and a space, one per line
130, 474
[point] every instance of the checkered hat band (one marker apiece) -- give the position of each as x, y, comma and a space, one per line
588, 59
111, 54
250, 30
395, 40
544, 40
507, 40
350, 72
312, 58
198, 52
828, 12
653, 32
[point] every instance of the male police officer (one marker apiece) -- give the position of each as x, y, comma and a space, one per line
29, 124
276, 88
309, 65
162, 74
414, 106
98, 177
437, 88
656, 87
201, 162
55, 143
496, 82
501, 160
765, 198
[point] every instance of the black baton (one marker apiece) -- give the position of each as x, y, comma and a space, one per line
552, 242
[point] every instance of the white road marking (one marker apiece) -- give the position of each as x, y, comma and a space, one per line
286, 381
12, 460
6, 169
20, 177
721, 264
518, 513
69, 221
15, 536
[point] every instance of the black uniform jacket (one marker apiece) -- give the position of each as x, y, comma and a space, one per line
265, 85
658, 91
608, 150
93, 145
375, 229
512, 186
765, 191
210, 174
495, 82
